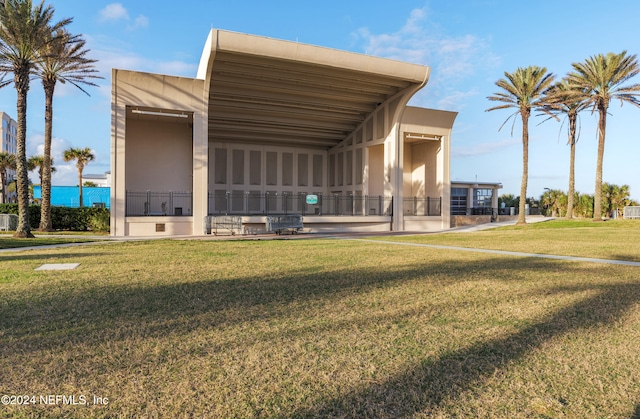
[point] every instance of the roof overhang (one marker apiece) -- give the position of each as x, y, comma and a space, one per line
279, 92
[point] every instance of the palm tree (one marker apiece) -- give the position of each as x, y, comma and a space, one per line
584, 205
82, 156
37, 162
64, 60
553, 200
596, 81
614, 197
523, 90
561, 100
7, 162
23, 35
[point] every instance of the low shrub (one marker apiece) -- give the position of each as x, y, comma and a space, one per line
66, 218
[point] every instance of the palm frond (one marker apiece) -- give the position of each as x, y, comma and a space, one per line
524, 90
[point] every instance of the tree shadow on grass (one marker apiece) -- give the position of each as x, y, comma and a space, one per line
90, 316
421, 388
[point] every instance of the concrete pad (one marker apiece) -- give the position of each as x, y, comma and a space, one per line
57, 266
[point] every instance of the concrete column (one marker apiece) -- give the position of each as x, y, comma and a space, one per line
200, 171
118, 186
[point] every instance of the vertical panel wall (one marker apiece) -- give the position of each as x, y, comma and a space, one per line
246, 172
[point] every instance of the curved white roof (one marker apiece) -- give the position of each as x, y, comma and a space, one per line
273, 91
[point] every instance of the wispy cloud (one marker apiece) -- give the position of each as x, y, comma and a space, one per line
482, 148
115, 12
109, 58
140, 22
66, 173
111, 53
454, 60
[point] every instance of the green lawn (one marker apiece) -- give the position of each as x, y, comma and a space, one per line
8, 242
316, 328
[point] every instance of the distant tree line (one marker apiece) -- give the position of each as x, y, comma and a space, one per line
555, 203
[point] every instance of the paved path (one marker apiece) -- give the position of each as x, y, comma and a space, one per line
506, 252
351, 236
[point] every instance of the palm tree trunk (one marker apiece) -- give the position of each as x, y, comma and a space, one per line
45, 205
572, 163
80, 184
22, 87
525, 167
597, 195
4, 186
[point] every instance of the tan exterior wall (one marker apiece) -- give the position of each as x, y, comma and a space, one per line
159, 156
426, 139
159, 226
155, 92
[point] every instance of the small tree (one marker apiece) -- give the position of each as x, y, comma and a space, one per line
7, 162
554, 202
82, 156
37, 162
614, 198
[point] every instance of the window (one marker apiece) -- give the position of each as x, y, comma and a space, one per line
482, 198
458, 201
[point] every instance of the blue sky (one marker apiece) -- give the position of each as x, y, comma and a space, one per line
468, 45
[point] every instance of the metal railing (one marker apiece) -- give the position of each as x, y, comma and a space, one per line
632, 212
172, 203
250, 203
151, 203
422, 206
8, 222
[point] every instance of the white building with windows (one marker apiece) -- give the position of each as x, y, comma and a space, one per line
474, 198
9, 135
101, 181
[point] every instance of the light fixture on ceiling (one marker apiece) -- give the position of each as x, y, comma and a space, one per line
156, 113
423, 137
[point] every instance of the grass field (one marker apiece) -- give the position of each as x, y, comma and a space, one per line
317, 328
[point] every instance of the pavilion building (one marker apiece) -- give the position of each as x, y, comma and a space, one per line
265, 125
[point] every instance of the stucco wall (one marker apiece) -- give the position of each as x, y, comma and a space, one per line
159, 156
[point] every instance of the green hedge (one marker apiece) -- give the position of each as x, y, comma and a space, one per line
65, 218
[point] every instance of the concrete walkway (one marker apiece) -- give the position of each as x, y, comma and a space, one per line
506, 252
479, 227
346, 236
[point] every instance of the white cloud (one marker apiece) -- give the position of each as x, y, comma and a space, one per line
114, 12
140, 22
109, 57
482, 148
454, 60
66, 173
